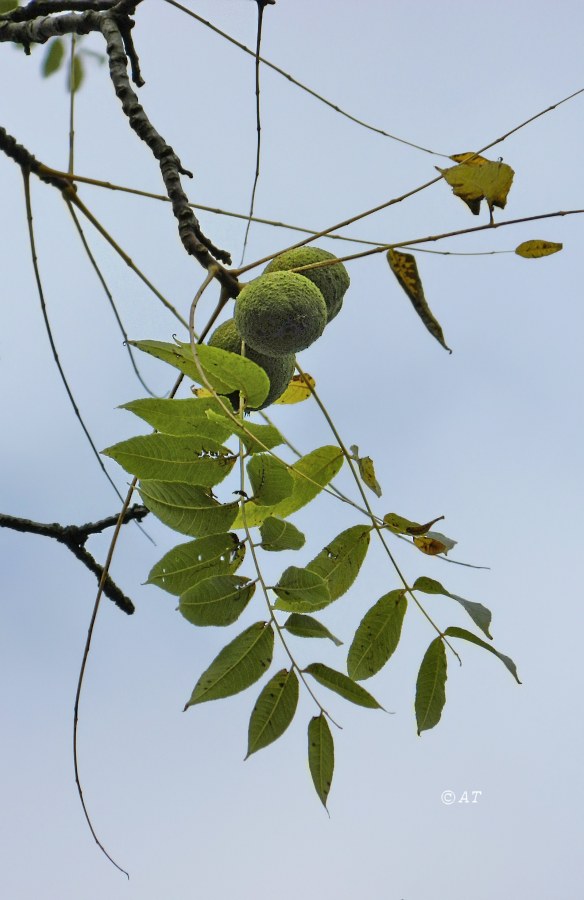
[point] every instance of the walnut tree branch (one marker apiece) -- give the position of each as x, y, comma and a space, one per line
74, 538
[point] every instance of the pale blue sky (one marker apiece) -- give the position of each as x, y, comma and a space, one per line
490, 437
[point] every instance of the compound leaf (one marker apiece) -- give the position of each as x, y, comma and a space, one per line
218, 600
273, 711
189, 563
377, 636
237, 666
341, 684
187, 508
431, 686
321, 756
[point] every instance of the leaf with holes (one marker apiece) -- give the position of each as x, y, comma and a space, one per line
237, 666
377, 636
405, 269
218, 600
164, 457
341, 684
340, 561
187, 508
187, 564
431, 686
321, 756
273, 711
305, 626
480, 615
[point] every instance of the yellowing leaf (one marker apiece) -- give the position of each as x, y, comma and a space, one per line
405, 269
399, 525
297, 390
201, 392
434, 543
536, 249
366, 470
480, 179
471, 158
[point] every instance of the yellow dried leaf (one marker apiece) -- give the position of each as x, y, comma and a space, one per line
201, 392
536, 249
478, 180
469, 158
434, 543
366, 470
298, 390
405, 269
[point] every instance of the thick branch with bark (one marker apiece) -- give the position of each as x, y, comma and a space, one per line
74, 538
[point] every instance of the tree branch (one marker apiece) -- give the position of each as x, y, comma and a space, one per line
74, 538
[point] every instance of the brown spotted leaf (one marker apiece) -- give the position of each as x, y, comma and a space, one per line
536, 249
405, 269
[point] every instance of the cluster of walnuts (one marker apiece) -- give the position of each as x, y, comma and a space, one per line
283, 312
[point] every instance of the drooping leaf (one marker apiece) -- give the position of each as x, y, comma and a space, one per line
321, 756
473, 639
237, 666
298, 390
310, 473
273, 711
218, 600
164, 457
300, 590
433, 543
480, 615
225, 371
187, 508
399, 525
342, 684
182, 417
479, 179
307, 627
76, 73
536, 249
366, 471
255, 438
277, 534
271, 481
377, 636
53, 56
431, 686
189, 563
339, 562
405, 269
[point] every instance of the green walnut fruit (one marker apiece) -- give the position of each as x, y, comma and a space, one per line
332, 281
280, 313
278, 369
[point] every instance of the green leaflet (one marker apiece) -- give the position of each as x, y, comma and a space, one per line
187, 508
377, 636
278, 534
163, 457
182, 417
270, 480
430, 686
255, 438
189, 563
321, 756
273, 711
225, 371
237, 666
480, 615
311, 473
76, 73
399, 525
54, 54
339, 562
341, 684
307, 627
218, 600
299, 590
469, 636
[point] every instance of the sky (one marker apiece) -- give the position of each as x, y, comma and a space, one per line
490, 437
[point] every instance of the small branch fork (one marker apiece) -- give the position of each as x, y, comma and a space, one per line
74, 538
